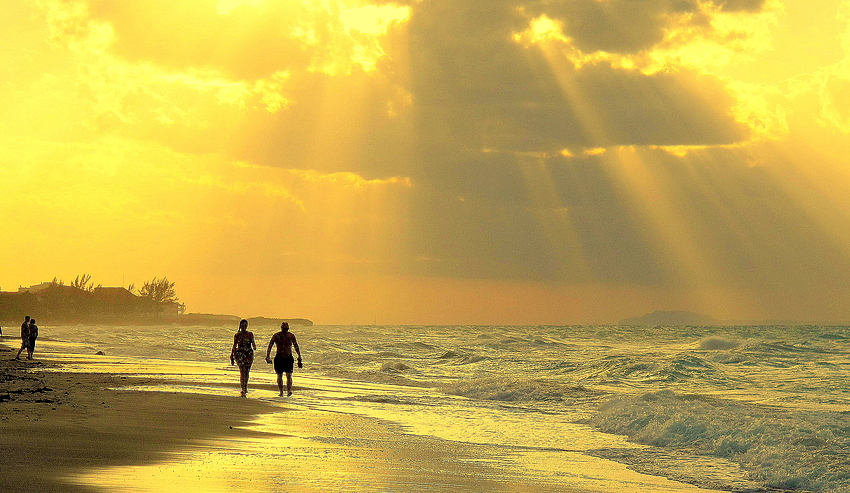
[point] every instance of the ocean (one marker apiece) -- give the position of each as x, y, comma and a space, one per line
742, 408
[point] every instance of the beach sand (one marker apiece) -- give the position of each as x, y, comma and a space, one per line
56, 425
63, 431
53, 424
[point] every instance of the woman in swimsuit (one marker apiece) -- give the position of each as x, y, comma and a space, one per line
242, 353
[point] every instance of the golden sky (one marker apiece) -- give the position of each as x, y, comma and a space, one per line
433, 161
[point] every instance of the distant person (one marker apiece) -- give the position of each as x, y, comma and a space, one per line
33, 335
242, 353
283, 361
25, 336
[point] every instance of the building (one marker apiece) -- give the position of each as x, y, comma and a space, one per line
37, 287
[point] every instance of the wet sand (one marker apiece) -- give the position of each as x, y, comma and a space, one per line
73, 432
53, 424
68, 431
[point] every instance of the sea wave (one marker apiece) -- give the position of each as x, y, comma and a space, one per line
518, 390
781, 448
645, 369
462, 357
784, 347
716, 343
395, 367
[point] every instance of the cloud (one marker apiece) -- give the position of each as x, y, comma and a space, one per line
659, 34
682, 38
476, 85
137, 198
291, 87
250, 40
834, 83
834, 92
600, 224
313, 111
566, 142
612, 26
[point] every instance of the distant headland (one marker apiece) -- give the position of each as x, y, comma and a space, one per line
676, 317
54, 303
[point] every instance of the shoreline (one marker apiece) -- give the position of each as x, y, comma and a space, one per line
55, 423
75, 432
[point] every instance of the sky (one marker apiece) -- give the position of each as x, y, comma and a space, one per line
433, 161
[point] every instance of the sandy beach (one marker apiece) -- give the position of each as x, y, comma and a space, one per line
87, 432
56, 423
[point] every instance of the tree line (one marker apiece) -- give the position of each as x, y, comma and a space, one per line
157, 290
83, 300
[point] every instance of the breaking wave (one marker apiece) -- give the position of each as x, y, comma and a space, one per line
717, 344
782, 448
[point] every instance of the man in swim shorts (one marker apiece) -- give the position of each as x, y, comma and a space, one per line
283, 360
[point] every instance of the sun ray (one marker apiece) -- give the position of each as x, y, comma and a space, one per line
555, 219
649, 192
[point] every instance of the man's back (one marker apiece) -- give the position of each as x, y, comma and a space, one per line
283, 342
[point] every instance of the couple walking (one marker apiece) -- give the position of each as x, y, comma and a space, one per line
242, 354
29, 333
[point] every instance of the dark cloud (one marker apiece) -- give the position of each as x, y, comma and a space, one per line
617, 26
743, 5
484, 217
751, 233
625, 26
482, 107
755, 233
472, 86
475, 86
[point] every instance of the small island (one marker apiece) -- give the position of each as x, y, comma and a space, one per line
670, 318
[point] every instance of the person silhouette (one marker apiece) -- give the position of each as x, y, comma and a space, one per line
32, 336
283, 361
242, 353
25, 336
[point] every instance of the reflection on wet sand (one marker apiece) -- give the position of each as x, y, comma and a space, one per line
329, 438
328, 452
